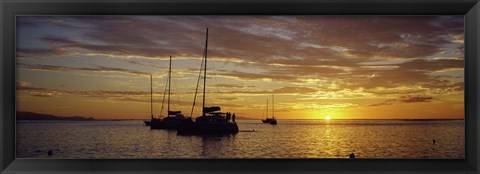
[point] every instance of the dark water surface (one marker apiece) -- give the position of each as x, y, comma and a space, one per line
288, 139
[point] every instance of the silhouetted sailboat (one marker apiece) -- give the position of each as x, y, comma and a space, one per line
212, 120
174, 118
272, 120
266, 120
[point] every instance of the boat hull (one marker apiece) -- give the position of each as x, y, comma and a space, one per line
268, 120
170, 123
273, 122
195, 128
156, 123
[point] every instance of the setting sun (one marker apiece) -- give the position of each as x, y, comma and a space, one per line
328, 117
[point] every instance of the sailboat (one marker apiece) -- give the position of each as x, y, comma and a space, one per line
152, 119
212, 120
273, 121
174, 118
267, 120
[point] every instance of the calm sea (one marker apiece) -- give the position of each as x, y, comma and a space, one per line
288, 139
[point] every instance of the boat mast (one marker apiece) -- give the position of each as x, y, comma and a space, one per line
205, 74
151, 97
273, 106
169, 82
267, 109
163, 98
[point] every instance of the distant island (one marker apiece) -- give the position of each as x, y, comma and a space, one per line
37, 116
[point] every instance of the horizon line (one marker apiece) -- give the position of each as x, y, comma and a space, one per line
250, 118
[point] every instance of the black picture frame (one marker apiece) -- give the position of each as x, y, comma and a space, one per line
11, 8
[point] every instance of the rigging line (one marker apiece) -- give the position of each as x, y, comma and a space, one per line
169, 82
175, 89
273, 106
218, 88
263, 114
198, 82
151, 96
163, 100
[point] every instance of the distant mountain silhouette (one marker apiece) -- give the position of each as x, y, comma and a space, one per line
37, 116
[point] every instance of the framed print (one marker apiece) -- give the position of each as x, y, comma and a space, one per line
305, 86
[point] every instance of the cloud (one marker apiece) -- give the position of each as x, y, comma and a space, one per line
415, 99
233, 86
362, 36
380, 104
69, 69
36, 52
103, 93
375, 53
256, 76
227, 98
316, 106
58, 41
27, 86
404, 99
298, 90
22, 83
433, 65
44, 94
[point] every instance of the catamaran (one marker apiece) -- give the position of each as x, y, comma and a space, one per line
212, 120
174, 118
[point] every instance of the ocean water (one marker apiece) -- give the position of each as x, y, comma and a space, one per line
288, 139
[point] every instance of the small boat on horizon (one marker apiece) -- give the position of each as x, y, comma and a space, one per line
266, 120
212, 120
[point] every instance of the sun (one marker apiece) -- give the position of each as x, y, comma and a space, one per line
328, 117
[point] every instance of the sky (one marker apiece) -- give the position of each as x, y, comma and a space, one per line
344, 67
